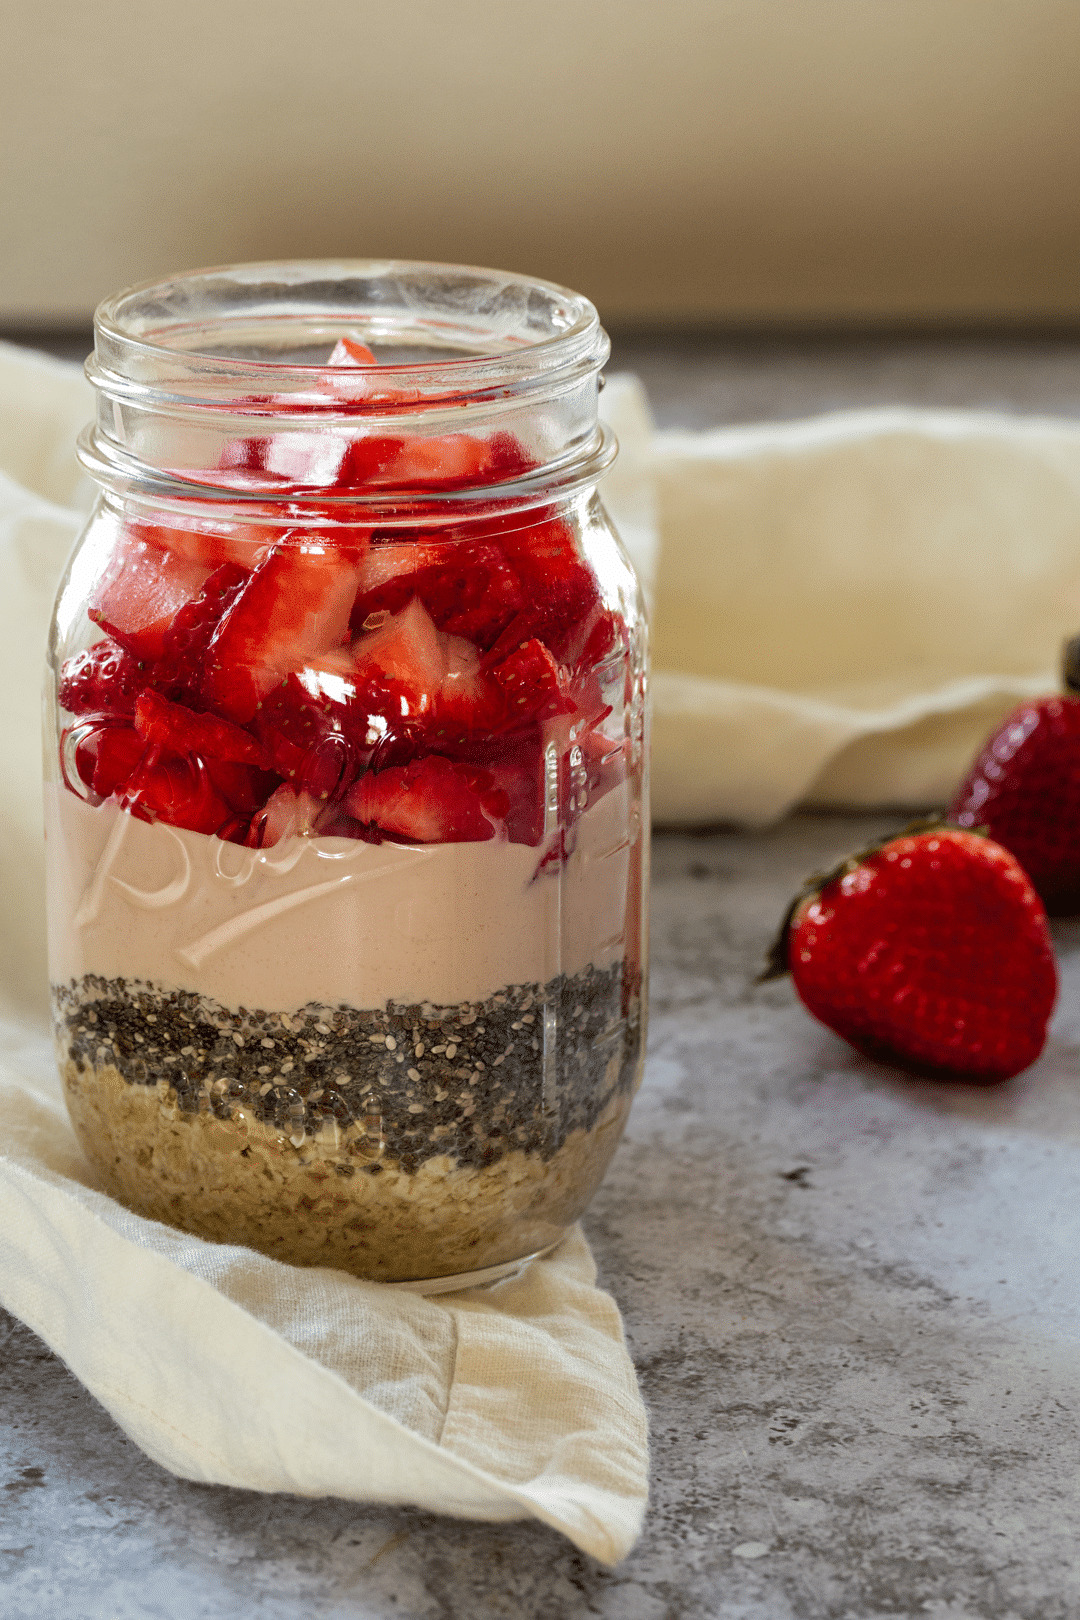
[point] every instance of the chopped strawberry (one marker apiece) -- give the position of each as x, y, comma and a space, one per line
242, 544
388, 573
468, 698
104, 679
245, 455
180, 669
595, 639
606, 760
295, 606
407, 671
460, 460
180, 730
286, 814
469, 589
349, 351
399, 668
106, 754
306, 740
176, 790
507, 456
245, 788
532, 684
430, 801
153, 781
369, 460
453, 461
140, 593
560, 587
448, 461
517, 769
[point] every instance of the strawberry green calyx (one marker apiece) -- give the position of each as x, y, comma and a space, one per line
1070, 666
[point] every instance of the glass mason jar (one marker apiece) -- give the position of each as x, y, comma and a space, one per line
346, 798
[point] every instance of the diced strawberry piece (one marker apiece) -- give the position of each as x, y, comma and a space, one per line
140, 593
104, 679
607, 761
517, 769
244, 788
369, 460
294, 607
157, 784
430, 801
179, 791
560, 586
245, 455
447, 461
106, 756
407, 671
180, 730
532, 684
452, 461
460, 460
181, 667
595, 638
388, 573
318, 744
240, 543
469, 589
272, 463
349, 351
335, 822
119, 754
286, 814
507, 457
468, 698
399, 668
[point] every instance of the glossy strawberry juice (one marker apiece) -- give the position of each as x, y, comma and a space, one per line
345, 795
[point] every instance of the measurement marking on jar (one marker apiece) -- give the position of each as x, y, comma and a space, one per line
550, 1077
173, 892
551, 789
607, 1037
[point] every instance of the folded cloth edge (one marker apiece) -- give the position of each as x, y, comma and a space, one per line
815, 732
411, 1468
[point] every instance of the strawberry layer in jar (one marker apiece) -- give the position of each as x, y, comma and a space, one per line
345, 802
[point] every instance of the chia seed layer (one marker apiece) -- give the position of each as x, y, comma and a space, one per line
522, 1070
401, 1143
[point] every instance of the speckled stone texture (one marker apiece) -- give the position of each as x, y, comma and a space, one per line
853, 1300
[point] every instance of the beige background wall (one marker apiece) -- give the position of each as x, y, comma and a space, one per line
736, 159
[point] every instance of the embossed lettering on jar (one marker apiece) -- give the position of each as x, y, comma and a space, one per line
345, 769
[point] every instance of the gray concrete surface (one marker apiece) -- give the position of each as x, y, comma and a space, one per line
853, 1301
702, 380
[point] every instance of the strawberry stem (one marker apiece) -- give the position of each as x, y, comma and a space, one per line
1070, 665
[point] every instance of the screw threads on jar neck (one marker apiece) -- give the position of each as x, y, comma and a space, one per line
233, 385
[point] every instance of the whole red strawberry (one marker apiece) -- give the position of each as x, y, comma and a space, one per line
931, 953
1024, 789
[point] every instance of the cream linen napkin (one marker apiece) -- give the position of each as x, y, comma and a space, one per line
841, 609
844, 607
226, 1367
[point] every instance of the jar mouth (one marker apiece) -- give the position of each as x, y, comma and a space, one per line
444, 333
234, 384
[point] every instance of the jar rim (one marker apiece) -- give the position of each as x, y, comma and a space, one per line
188, 366
153, 337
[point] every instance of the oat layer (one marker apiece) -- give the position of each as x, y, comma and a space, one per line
397, 1143
235, 1180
